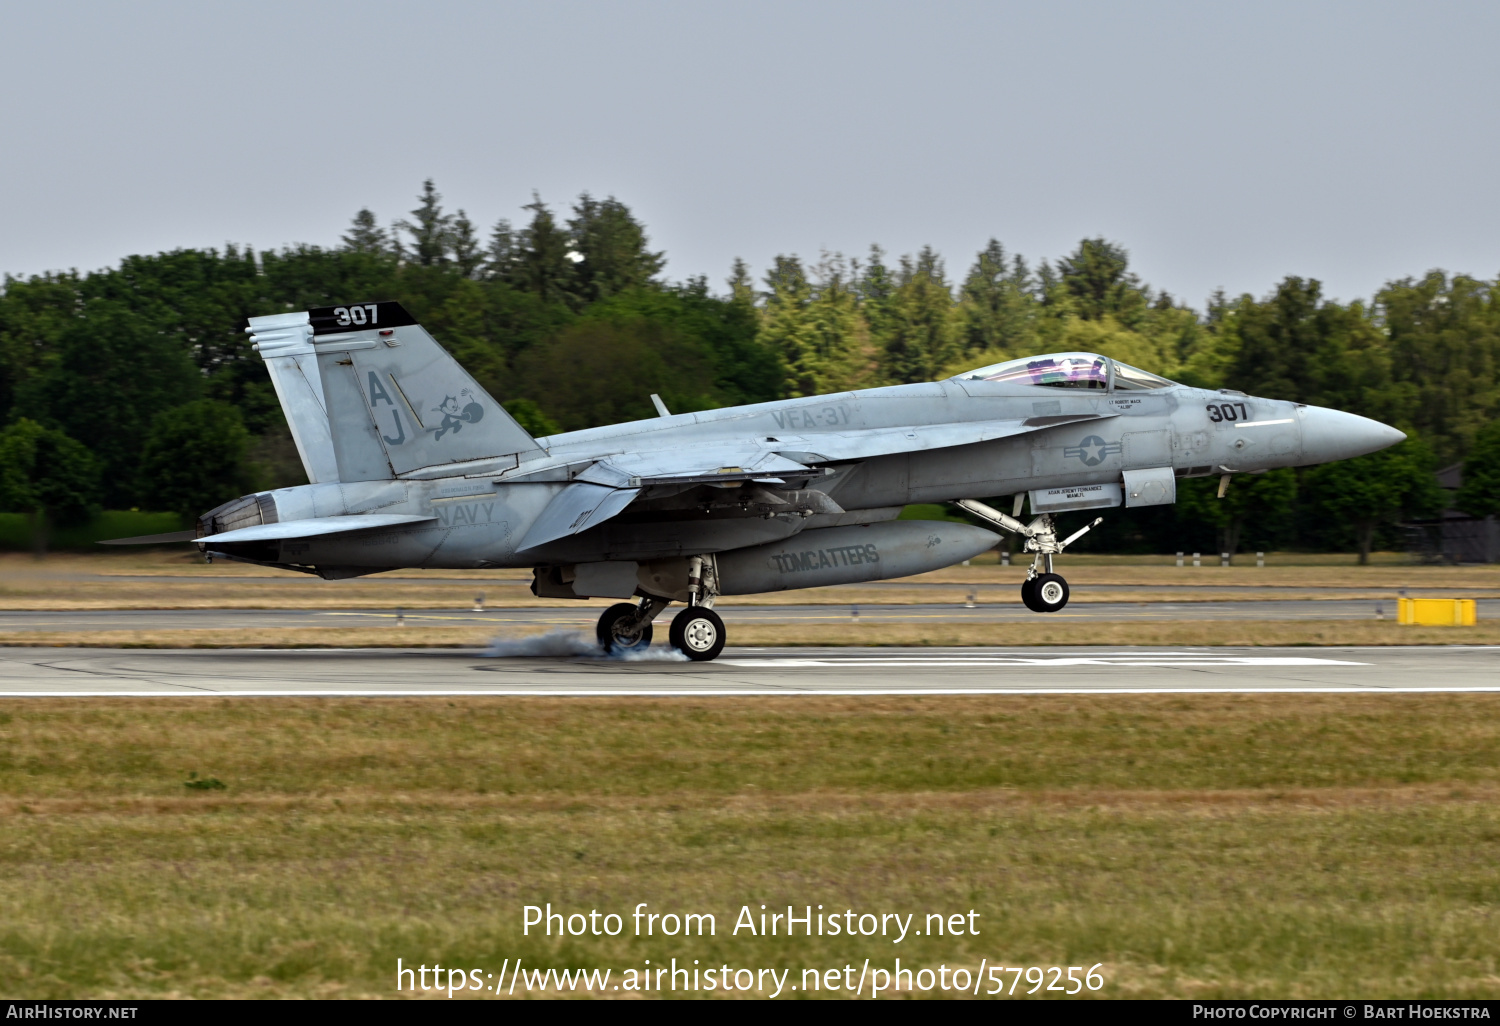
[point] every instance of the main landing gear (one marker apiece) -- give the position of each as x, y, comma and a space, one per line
697, 631
627, 628
1044, 591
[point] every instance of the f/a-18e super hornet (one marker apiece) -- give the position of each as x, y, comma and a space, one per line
414, 464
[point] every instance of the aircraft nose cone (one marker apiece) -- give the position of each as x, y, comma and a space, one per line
1329, 435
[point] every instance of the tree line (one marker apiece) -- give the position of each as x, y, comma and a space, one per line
134, 387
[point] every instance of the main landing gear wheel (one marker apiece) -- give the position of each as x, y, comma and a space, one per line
698, 633
1048, 594
617, 631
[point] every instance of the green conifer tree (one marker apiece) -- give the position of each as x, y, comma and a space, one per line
541, 263
500, 261
468, 255
921, 331
996, 306
741, 286
366, 236
1098, 278
609, 249
430, 229
787, 328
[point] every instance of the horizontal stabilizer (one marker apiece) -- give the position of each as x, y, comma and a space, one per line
576, 508
154, 539
314, 526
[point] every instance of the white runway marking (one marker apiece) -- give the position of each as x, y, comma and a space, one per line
1120, 660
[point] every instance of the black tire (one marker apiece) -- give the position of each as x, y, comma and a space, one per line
609, 633
698, 633
1050, 593
1028, 595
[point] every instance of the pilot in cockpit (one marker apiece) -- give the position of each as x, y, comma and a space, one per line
1068, 370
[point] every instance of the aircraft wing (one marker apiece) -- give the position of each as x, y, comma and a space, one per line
314, 526
611, 484
858, 445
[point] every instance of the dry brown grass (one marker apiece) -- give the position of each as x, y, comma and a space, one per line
183, 581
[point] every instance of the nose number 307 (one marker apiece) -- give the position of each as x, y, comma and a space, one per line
1221, 412
348, 315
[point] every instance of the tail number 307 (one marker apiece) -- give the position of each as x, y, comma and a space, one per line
351, 315
1226, 411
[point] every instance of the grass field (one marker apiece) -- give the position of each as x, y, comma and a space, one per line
1198, 846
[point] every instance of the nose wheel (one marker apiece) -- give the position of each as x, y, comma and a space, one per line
1045, 593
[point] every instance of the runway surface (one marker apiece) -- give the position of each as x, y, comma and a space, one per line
581, 616
564, 663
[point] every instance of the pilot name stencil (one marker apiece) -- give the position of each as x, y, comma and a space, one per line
818, 559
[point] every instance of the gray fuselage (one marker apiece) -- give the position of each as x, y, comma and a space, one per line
480, 520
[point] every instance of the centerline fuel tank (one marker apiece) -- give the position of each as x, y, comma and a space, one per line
848, 555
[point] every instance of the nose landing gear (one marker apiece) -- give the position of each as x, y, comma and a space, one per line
698, 633
1044, 591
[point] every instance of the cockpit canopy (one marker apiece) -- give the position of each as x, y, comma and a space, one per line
1069, 370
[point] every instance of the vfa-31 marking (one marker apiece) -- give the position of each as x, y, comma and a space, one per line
413, 463
823, 418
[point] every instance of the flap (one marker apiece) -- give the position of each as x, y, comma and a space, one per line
314, 526
706, 464
576, 508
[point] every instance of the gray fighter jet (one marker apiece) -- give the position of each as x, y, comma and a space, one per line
414, 464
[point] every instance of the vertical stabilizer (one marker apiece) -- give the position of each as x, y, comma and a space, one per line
284, 342
400, 406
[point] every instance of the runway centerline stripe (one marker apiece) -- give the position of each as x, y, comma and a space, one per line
1055, 661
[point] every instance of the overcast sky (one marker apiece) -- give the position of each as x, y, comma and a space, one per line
1223, 144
